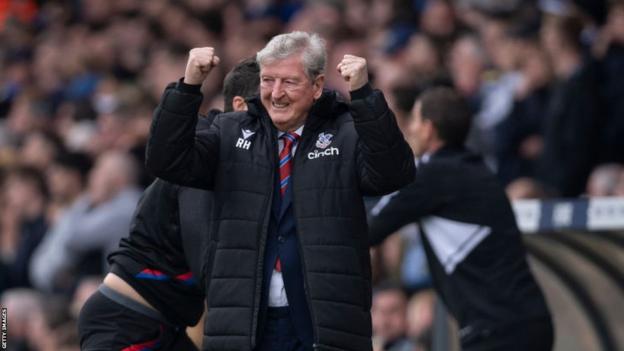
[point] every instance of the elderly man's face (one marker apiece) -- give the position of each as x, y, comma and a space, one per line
287, 92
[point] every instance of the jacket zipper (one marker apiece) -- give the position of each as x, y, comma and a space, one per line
300, 246
263, 236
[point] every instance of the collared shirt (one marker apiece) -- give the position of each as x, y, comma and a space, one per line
277, 290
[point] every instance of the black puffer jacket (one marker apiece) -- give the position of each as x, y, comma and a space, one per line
345, 152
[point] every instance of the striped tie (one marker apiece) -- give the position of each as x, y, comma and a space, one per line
285, 166
285, 157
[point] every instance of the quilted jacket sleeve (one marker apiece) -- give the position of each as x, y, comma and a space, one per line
385, 161
175, 152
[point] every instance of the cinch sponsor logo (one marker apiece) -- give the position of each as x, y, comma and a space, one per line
327, 152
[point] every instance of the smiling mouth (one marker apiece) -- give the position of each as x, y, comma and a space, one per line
279, 105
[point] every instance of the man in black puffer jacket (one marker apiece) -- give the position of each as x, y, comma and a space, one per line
291, 266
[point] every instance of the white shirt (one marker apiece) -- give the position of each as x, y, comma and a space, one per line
277, 290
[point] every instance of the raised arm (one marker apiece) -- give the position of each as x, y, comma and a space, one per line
406, 206
385, 161
174, 151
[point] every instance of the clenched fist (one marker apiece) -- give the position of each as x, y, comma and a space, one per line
353, 70
199, 64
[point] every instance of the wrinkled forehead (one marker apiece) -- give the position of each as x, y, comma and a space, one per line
277, 58
291, 65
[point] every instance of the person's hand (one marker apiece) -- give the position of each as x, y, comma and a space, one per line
200, 63
353, 70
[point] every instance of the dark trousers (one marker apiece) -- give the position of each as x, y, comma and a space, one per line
110, 321
531, 336
279, 333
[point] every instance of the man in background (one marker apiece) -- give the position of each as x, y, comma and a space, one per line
473, 245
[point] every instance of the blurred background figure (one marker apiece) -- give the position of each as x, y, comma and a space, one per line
604, 180
526, 188
66, 178
389, 318
91, 227
608, 48
23, 222
420, 318
39, 149
574, 114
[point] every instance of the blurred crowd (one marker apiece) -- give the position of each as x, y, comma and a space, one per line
80, 78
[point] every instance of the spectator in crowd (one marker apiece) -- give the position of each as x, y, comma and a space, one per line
519, 140
422, 57
438, 21
474, 249
573, 119
66, 178
527, 188
238, 159
23, 222
39, 149
619, 188
91, 227
420, 317
26, 115
603, 180
110, 199
466, 64
388, 313
496, 94
609, 49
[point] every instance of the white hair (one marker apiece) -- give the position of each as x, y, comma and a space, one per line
310, 46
